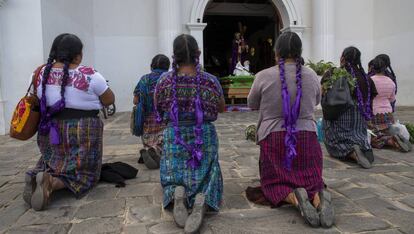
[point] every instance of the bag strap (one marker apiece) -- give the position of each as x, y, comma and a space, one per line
34, 77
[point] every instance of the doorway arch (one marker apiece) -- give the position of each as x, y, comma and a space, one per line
289, 13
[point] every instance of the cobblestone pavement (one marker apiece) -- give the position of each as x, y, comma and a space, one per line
379, 200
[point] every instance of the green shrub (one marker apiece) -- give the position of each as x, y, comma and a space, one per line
410, 128
320, 67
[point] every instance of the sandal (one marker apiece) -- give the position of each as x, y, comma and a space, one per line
360, 158
29, 188
180, 213
326, 210
195, 220
307, 210
41, 194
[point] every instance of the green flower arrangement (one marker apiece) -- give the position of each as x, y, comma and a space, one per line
320, 67
338, 73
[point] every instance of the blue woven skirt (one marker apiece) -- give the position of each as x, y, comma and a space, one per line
206, 179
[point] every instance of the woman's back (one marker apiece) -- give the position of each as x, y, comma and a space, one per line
82, 91
266, 96
386, 94
210, 94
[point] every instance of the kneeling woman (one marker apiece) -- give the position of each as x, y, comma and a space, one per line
290, 155
382, 109
152, 131
70, 131
346, 137
189, 101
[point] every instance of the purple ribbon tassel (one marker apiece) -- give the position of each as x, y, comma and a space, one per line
290, 114
195, 151
364, 107
47, 126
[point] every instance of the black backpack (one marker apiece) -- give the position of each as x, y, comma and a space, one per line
337, 100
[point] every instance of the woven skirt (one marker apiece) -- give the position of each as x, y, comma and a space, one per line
341, 135
152, 133
77, 159
206, 179
380, 125
306, 172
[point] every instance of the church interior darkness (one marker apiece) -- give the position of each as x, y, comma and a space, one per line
258, 23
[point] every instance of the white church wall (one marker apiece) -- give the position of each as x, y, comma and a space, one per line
125, 42
353, 27
21, 50
394, 35
75, 16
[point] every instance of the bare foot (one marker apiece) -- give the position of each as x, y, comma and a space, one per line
291, 199
316, 200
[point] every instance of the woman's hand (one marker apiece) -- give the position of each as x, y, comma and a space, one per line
107, 98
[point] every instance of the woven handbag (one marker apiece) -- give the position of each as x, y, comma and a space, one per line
26, 115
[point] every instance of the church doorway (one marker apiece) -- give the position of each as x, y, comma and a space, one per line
240, 31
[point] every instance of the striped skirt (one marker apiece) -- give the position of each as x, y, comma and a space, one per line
152, 133
306, 172
380, 125
77, 159
206, 179
342, 134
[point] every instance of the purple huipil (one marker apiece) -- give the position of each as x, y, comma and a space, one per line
290, 114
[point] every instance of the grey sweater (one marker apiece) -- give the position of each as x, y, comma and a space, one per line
266, 96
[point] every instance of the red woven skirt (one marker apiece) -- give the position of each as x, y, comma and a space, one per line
306, 172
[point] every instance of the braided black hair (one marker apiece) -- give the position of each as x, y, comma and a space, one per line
289, 46
68, 49
352, 57
186, 51
160, 61
378, 66
387, 61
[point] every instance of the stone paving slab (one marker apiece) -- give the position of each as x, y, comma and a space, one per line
379, 200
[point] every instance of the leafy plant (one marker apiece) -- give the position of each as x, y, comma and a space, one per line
410, 128
320, 67
338, 73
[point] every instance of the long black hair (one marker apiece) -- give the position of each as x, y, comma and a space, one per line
186, 50
161, 62
289, 46
377, 66
351, 56
65, 48
387, 61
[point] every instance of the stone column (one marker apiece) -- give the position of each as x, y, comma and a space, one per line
169, 24
2, 101
196, 30
324, 30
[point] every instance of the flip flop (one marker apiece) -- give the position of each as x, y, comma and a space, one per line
195, 220
307, 210
180, 212
326, 210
